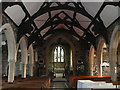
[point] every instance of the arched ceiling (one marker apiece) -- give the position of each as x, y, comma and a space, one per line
84, 20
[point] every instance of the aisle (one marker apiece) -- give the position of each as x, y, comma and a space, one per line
59, 83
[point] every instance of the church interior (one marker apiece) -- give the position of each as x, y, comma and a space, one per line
60, 44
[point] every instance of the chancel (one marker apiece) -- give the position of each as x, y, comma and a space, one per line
60, 44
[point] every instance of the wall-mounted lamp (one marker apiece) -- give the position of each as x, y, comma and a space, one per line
19, 50
94, 55
28, 54
3, 43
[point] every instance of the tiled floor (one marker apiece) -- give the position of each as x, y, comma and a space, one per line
59, 84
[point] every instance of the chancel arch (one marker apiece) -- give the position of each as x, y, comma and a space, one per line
58, 58
68, 42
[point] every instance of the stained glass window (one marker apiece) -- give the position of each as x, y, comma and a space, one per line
59, 54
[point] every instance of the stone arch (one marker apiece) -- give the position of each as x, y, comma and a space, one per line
69, 42
24, 54
99, 54
67, 57
62, 65
114, 42
91, 60
9, 33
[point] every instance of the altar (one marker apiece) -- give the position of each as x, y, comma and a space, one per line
88, 84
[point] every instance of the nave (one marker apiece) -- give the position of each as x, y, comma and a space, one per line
60, 83
78, 41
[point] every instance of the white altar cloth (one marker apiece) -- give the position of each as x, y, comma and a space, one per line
88, 84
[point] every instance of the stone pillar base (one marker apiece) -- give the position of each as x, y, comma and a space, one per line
11, 71
24, 71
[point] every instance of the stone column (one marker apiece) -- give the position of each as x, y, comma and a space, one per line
112, 52
24, 56
11, 71
91, 69
24, 70
31, 60
31, 69
113, 64
91, 61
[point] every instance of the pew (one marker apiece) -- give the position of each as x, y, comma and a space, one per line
28, 83
73, 79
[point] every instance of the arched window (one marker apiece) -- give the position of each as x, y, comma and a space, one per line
59, 54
